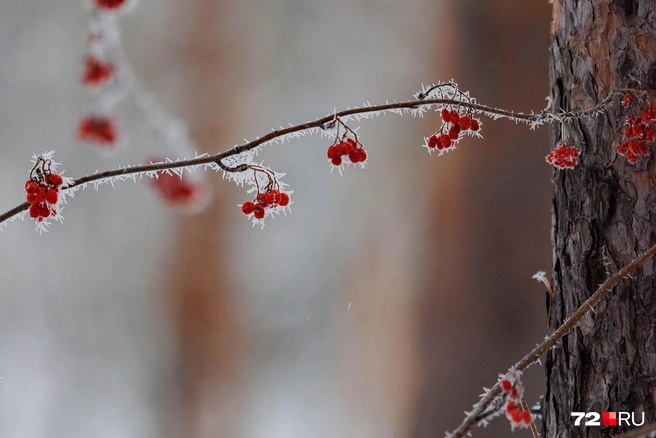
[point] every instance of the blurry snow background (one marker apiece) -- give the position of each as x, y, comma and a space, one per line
378, 308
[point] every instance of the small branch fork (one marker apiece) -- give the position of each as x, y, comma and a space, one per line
325, 123
481, 407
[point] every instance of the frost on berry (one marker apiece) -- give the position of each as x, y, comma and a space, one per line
101, 131
639, 132
43, 191
346, 149
181, 191
270, 196
96, 71
563, 157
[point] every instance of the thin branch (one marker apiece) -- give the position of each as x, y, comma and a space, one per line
470, 421
324, 123
534, 429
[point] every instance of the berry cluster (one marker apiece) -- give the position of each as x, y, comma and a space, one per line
96, 72
517, 416
349, 148
183, 193
456, 124
639, 131
43, 193
100, 130
563, 157
271, 199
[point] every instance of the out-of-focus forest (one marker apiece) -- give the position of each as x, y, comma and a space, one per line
379, 308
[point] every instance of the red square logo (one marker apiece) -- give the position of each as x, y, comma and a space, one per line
609, 419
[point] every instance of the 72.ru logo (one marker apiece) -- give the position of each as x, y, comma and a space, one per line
607, 419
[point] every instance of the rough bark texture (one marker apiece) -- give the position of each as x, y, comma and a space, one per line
602, 218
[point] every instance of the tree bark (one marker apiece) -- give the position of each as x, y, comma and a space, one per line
602, 218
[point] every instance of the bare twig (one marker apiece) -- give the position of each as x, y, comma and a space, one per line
470, 421
322, 123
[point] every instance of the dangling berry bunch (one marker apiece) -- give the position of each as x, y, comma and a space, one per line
43, 190
346, 147
184, 193
453, 127
514, 392
563, 157
99, 130
269, 199
639, 131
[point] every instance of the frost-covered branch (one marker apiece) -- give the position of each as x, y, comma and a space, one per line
493, 395
231, 161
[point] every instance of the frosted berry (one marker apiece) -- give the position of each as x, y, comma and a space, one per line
55, 180
454, 117
626, 100
465, 123
446, 116
563, 157
96, 72
432, 141
259, 212
283, 199
109, 5
52, 196
247, 207
454, 132
337, 161
475, 126
100, 130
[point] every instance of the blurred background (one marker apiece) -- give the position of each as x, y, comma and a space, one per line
379, 308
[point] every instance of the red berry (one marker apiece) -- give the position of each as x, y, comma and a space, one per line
528, 419
331, 152
260, 198
517, 415
109, 5
283, 199
97, 129
511, 406
52, 196
247, 207
454, 116
645, 118
354, 156
40, 194
269, 198
432, 141
339, 150
454, 132
337, 160
444, 142
638, 131
348, 146
34, 210
628, 132
446, 116
475, 125
31, 186
465, 123
631, 157
363, 155
259, 212
44, 210
54, 179
96, 72
623, 148
650, 134
626, 100
563, 157
506, 385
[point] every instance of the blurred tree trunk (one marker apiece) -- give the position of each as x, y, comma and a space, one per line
602, 217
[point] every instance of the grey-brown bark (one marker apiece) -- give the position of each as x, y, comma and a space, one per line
602, 218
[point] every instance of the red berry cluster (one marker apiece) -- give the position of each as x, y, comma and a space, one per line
350, 148
181, 192
563, 157
43, 194
96, 72
109, 5
270, 199
457, 124
517, 416
639, 131
101, 130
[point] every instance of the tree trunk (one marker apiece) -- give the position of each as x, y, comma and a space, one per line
602, 218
